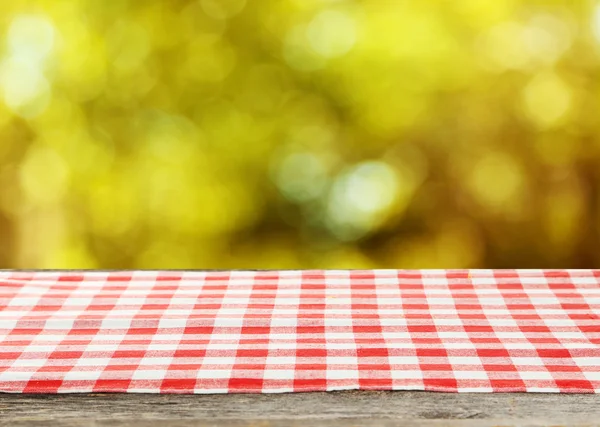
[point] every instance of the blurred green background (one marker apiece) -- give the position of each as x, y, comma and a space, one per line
299, 133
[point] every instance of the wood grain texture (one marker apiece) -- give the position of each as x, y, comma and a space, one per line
300, 409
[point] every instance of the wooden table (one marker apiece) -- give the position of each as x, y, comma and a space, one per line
301, 409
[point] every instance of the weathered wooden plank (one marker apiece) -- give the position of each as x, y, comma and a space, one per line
313, 409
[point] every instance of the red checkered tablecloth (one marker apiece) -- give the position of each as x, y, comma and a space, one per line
284, 331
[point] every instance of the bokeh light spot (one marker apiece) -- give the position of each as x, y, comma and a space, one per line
44, 175
547, 37
297, 53
496, 181
26, 90
546, 99
332, 33
301, 176
502, 47
596, 21
359, 197
31, 37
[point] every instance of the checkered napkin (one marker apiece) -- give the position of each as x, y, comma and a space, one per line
284, 331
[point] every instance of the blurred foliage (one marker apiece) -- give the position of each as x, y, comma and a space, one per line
299, 133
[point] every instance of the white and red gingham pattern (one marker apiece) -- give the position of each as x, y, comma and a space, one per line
284, 331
